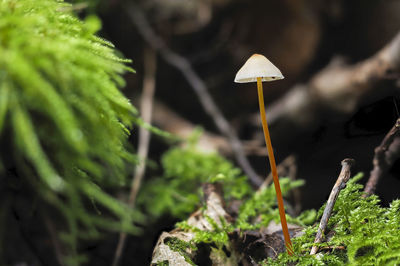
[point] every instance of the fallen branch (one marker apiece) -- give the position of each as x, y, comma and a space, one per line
197, 84
338, 87
385, 155
344, 176
169, 121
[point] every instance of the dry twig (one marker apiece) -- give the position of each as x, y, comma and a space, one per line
385, 155
198, 85
146, 106
344, 176
168, 120
286, 168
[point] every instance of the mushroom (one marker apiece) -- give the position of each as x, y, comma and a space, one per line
258, 69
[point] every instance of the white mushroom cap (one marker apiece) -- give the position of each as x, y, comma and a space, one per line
258, 66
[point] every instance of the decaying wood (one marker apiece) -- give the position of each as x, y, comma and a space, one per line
385, 155
197, 84
338, 87
344, 176
215, 208
252, 243
162, 252
241, 246
200, 219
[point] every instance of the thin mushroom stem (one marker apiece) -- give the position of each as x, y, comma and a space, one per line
274, 172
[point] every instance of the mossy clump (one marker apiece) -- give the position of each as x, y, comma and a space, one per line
181, 247
260, 209
361, 232
63, 121
178, 192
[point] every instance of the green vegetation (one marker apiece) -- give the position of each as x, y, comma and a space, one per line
218, 236
365, 233
258, 209
360, 231
64, 126
180, 246
262, 205
178, 191
63, 121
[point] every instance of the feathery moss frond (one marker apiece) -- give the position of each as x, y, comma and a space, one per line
178, 192
63, 120
368, 232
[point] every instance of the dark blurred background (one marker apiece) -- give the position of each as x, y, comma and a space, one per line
302, 38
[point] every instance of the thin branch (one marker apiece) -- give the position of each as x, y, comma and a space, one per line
344, 176
168, 120
146, 106
286, 168
338, 87
385, 155
198, 85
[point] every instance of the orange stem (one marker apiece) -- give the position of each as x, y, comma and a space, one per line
271, 157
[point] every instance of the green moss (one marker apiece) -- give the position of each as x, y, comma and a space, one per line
260, 204
365, 233
263, 204
163, 263
178, 191
361, 231
218, 236
181, 247
63, 121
